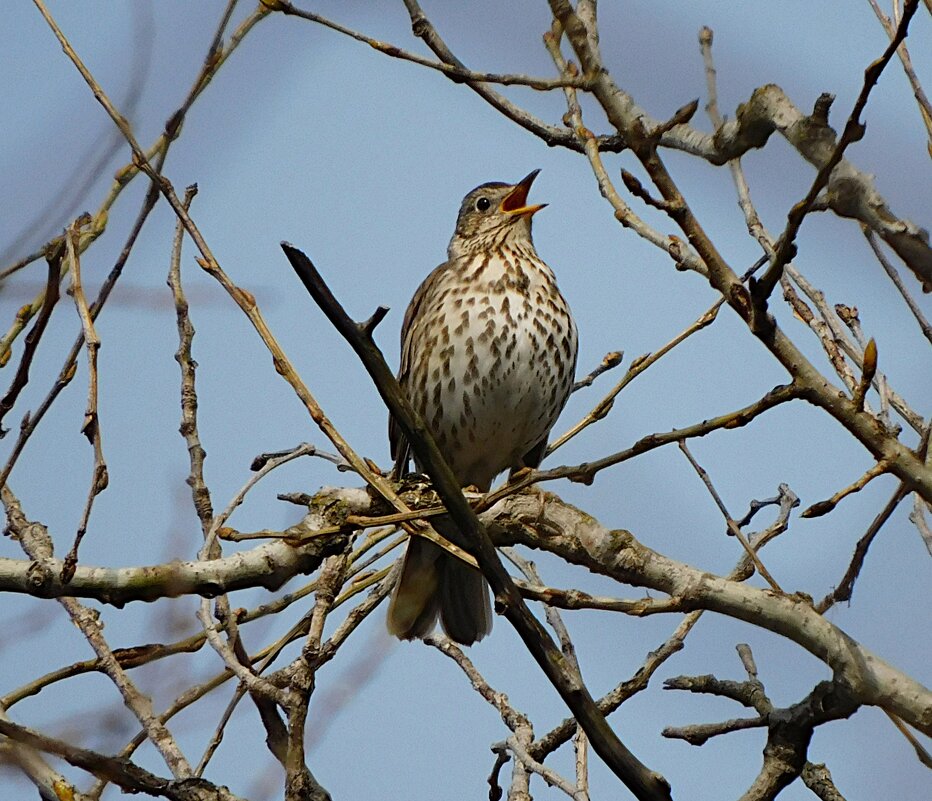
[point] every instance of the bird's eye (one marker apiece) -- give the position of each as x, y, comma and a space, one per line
483, 204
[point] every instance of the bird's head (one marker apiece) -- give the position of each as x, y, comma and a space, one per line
493, 214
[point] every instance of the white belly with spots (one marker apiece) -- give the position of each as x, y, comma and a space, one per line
500, 372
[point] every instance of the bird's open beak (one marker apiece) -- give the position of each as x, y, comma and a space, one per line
515, 201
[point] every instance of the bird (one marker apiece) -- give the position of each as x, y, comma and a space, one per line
488, 359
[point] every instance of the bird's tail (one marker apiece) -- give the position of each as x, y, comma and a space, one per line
436, 583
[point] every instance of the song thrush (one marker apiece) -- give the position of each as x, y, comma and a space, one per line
488, 357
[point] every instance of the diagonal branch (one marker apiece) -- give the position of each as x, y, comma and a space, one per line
551, 134
49, 299
925, 107
891, 271
645, 784
733, 528
125, 774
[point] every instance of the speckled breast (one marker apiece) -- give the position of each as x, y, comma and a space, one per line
498, 364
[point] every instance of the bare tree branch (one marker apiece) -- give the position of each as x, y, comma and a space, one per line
854, 130
121, 772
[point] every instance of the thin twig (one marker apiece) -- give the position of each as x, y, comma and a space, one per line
850, 317
455, 72
834, 337
49, 298
679, 251
729, 520
701, 733
573, 599
638, 366
549, 775
585, 473
822, 329
25, 261
925, 107
845, 588
510, 716
49, 782
210, 550
529, 569
67, 372
581, 747
921, 753
188, 428
890, 270
551, 134
334, 458
91, 426
609, 362
826, 506
918, 518
136, 656
299, 781
554, 619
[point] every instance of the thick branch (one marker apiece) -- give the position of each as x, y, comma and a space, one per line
269, 565
580, 539
573, 535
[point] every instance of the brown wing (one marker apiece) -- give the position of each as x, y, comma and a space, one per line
399, 444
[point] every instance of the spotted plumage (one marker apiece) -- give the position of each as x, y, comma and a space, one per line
488, 356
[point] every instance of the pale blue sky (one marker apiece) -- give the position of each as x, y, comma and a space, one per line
362, 161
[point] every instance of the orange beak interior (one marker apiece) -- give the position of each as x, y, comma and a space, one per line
515, 201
